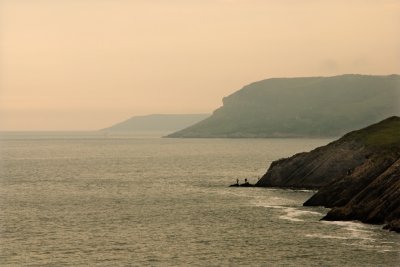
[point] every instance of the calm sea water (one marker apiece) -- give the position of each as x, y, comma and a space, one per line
88, 200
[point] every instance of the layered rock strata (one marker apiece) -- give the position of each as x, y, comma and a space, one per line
358, 176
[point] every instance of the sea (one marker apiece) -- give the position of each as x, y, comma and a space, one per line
90, 199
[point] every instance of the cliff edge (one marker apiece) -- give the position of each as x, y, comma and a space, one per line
358, 176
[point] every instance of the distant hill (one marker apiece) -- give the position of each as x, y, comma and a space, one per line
302, 107
166, 123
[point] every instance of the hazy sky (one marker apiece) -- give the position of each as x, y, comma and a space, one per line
86, 64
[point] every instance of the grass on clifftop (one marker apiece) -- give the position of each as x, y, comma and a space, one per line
384, 134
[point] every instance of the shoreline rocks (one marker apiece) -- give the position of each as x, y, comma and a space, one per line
358, 176
377, 201
245, 184
242, 185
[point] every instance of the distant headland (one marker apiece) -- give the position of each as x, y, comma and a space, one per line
156, 123
301, 107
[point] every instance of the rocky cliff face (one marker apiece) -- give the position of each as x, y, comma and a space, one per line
368, 198
341, 191
358, 175
316, 168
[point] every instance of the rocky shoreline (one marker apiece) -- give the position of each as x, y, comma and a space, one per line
358, 176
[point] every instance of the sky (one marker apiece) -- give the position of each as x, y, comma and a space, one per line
87, 64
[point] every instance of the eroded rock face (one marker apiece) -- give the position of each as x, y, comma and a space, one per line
316, 168
340, 191
358, 176
375, 199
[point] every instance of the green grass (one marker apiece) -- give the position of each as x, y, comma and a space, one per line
383, 134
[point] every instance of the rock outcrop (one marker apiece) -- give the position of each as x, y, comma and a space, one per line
375, 200
358, 176
316, 168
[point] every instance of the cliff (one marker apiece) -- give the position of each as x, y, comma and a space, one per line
358, 175
375, 199
298, 107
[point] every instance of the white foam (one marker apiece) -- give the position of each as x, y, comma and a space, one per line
293, 214
355, 230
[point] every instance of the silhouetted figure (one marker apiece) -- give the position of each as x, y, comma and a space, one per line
237, 183
245, 184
